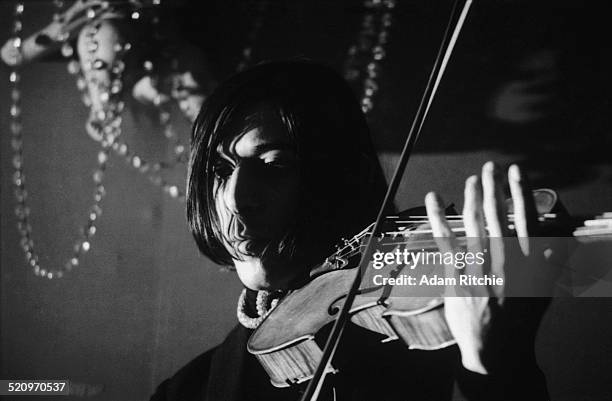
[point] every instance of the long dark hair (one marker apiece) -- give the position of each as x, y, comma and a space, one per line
341, 183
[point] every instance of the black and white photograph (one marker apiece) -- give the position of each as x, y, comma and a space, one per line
305, 200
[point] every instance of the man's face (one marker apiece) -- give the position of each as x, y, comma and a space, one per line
256, 196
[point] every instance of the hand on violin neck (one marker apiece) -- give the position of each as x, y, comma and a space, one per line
473, 311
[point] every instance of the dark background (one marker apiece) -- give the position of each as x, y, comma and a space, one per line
528, 82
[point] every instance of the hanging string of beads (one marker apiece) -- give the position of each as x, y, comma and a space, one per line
154, 171
22, 211
364, 59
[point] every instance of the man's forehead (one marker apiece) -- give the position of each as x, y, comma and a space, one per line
255, 141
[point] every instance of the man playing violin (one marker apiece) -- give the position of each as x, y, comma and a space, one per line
281, 169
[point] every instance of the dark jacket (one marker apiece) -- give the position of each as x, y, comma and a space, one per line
368, 370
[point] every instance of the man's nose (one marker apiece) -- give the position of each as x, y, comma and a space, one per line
241, 192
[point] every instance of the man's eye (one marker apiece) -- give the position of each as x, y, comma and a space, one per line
278, 162
222, 169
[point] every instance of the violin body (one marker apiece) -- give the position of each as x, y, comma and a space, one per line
285, 342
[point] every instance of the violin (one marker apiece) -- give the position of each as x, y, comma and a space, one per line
285, 342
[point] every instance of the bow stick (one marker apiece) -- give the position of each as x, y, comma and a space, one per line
446, 48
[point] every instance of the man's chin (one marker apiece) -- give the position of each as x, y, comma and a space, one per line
257, 276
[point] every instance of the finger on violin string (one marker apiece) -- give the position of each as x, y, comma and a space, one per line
525, 214
473, 215
495, 216
473, 221
439, 225
443, 236
493, 200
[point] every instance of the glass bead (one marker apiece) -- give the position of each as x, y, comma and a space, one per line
98, 175
127, 46
16, 144
86, 100
16, 128
67, 50
17, 42
17, 161
136, 161
99, 64
91, 230
378, 53
386, 20
50, 275
33, 262
120, 107
91, 13
74, 261
173, 191
383, 37
19, 8
100, 115
179, 149
370, 84
116, 123
81, 83
169, 133
116, 88
85, 246
14, 76
135, 15
102, 157
118, 67
156, 2
123, 149
25, 242
73, 67
21, 194
100, 190
104, 97
15, 111
164, 117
